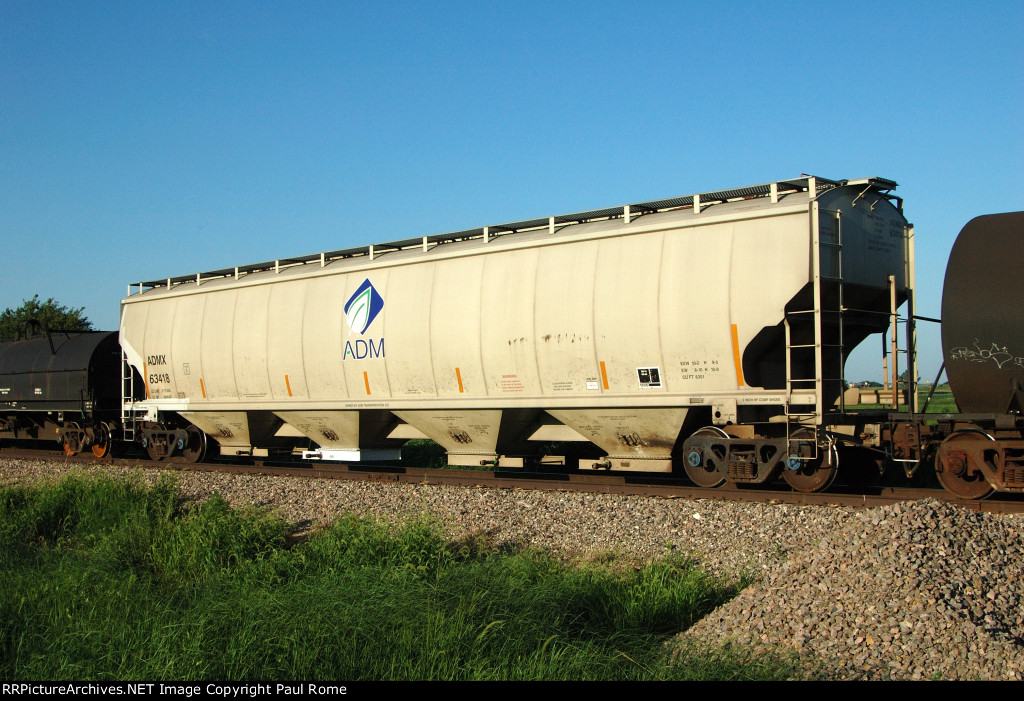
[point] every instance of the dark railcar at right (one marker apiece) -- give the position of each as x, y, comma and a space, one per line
982, 447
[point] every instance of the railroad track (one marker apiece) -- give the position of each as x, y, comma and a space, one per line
599, 483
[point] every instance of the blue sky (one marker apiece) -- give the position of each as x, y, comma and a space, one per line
140, 140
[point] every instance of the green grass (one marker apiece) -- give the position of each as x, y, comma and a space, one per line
941, 402
105, 580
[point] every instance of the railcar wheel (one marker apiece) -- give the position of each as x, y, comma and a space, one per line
101, 445
806, 473
951, 467
155, 452
706, 468
68, 449
196, 447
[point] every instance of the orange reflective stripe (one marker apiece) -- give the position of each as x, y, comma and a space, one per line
736, 356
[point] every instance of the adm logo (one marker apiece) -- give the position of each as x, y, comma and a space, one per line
360, 310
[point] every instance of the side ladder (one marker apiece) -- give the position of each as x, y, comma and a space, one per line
127, 399
814, 336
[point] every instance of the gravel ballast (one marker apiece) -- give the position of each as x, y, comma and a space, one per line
918, 590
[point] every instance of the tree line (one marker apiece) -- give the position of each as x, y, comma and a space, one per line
56, 316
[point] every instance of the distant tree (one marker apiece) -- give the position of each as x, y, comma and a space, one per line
56, 317
905, 377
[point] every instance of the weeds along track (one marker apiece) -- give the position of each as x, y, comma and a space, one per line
920, 589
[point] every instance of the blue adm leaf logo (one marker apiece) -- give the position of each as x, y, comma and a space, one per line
363, 307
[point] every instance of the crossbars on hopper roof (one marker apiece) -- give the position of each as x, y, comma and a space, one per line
698, 202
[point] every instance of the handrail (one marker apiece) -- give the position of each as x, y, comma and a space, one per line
698, 202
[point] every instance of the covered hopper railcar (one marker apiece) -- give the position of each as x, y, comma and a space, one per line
706, 333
